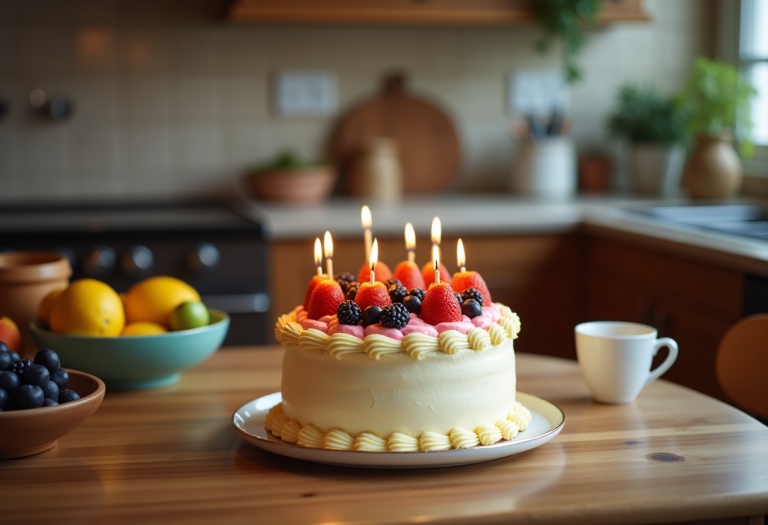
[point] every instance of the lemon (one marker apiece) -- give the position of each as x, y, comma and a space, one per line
143, 328
44, 310
188, 315
88, 307
155, 298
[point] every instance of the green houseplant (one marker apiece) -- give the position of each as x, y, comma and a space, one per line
717, 99
567, 21
655, 127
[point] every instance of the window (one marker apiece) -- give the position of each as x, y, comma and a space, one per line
753, 64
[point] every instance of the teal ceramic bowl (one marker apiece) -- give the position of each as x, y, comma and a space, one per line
140, 361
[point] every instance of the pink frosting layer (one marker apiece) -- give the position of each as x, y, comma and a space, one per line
354, 330
493, 312
419, 328
482, 321
459, 326
306, 324
378, 329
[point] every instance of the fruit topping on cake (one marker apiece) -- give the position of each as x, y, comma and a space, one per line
383, 273
397, 293
412, 303
428, 273
471, 308
348, 313
471, 293
394, 316
465, 280
440, 305
375, 294
311, 288
409, 275
326, 298
371, 315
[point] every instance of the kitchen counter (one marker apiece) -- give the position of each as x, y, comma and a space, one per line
171, 455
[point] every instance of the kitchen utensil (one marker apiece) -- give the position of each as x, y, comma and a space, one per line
546, 423
615, 358
137, 362
28, 432
428, 145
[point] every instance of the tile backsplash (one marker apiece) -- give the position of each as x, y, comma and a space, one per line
172, 100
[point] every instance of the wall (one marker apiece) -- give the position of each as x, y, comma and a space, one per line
172, 100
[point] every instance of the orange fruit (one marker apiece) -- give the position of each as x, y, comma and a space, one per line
44, 310
143, 328
155, 298
88, 307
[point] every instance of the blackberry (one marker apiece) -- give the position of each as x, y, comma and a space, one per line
394, 316
458, 297
351, 293
391, 282
371, 315
348, 313
418, 292
397, 292
471, 293
413, 304
344, 285
346, 276
471, 308
20, 366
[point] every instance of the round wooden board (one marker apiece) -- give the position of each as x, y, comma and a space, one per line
428, 145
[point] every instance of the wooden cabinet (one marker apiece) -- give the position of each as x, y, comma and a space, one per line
689, 301
419, 12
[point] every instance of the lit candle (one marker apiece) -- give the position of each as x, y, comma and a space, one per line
410, 242
328, 249
374, 260
437, 231
367, 220
436, 262
460, 257
318, 257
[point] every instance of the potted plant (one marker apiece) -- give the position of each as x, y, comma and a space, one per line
716, 99
289, 179
655, 128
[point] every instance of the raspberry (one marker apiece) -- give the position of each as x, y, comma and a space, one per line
471, 293
396, 293
409, 275
326, 298
465, 280
372, 295
348, 313
394, 316
440, 305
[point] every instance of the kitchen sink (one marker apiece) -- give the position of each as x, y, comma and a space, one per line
747, 220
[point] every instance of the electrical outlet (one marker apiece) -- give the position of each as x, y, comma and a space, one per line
305, 94
537, 92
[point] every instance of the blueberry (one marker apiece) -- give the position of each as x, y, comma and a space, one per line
4, 347
471, 308
51, 390
5, 399
418, 292
397, 292
49, 359
49, 402
14, 356
36, 375
61, 378
458, 297
5, 360
9, 382
371, 315
65, 396
29, 396
412, 303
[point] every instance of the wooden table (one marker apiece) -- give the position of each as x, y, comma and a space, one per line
171, 455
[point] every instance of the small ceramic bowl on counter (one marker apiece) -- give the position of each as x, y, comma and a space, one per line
28, 432
141, 361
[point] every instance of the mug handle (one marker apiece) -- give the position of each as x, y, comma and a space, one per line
663, 367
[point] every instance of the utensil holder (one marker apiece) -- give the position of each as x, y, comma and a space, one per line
545, 168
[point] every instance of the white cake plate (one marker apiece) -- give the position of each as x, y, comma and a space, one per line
547, 422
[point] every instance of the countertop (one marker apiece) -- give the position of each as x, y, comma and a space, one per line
171, 455
508, 215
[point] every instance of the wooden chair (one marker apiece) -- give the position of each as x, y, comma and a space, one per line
742, 364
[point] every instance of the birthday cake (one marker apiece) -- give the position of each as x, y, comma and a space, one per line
377, 368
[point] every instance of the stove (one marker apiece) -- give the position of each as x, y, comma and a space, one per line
218, 250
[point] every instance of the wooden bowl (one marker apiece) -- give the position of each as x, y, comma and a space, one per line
304, 185
28, 432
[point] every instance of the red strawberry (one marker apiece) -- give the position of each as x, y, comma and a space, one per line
464, 280
410, 275
372, 295
311, 288
383, 273
428, 272
440, 305
325, 299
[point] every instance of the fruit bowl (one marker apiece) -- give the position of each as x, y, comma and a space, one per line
28, 432
139, 361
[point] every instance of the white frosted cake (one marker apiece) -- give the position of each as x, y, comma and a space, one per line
421, 388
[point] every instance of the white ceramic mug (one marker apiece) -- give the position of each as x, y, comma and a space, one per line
615, 358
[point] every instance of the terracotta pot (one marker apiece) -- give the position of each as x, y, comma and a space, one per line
713, 169
594, 174
25, 279
292, 185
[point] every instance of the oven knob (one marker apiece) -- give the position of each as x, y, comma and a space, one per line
137, 261
99, 261
205, 256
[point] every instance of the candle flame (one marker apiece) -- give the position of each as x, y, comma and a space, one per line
318, 253
328, 245
374, 254
436, 256
410, 237
460, 257
365, 215
437, 230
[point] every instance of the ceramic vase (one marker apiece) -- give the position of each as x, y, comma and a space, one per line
713, 169
377, 172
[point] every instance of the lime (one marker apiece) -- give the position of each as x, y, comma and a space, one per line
188, 315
